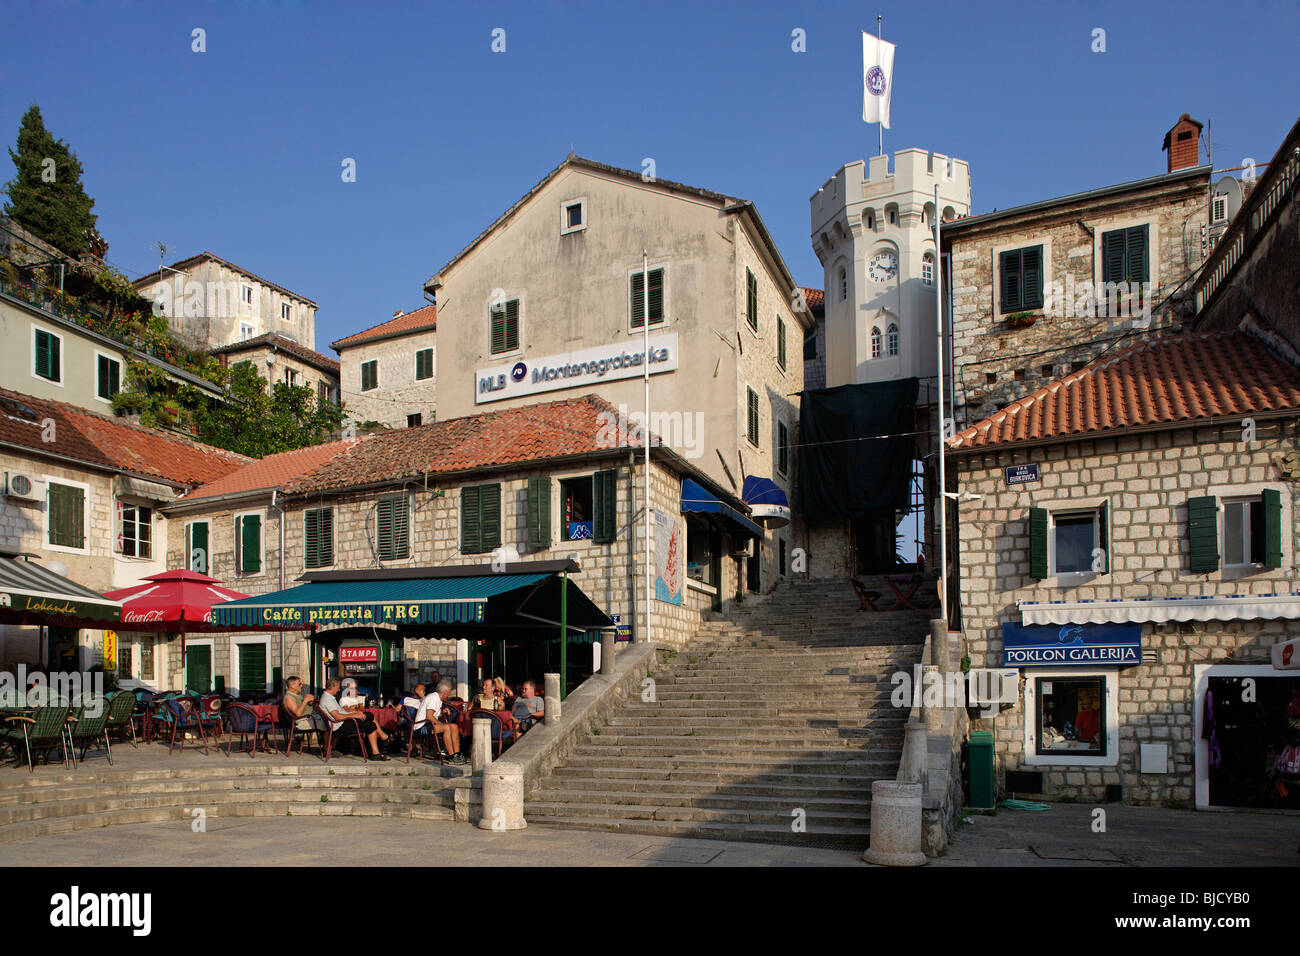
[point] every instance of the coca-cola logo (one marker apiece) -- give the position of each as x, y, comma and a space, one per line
142, 617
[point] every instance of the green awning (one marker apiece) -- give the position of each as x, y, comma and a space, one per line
390, 601
32, 594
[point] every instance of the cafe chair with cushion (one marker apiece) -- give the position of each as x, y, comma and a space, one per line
242, 722
40, 732
210, 712
328, 733
121, 710
89, 725
405, 726
500, 732
183, 716
292, 732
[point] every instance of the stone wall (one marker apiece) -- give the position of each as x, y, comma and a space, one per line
1147, 480
398, 393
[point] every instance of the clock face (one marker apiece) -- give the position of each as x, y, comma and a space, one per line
883, 266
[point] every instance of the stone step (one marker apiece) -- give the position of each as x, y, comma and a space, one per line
681, 747
848, 803
837, 765
705, 777
736, 814
753, 731
848, 838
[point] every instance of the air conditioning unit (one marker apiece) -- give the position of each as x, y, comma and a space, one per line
986, 685
24, 487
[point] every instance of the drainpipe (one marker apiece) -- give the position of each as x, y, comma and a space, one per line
280, 510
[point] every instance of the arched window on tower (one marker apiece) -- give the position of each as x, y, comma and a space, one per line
844, 285
875, 342
891, 340
927, 268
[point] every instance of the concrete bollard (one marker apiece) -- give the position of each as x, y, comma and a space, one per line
551, 703
915, 768
933, 713
481, 744
895, 824
939, 648
503, 798
607, 644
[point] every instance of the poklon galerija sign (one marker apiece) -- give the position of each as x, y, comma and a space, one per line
577, 369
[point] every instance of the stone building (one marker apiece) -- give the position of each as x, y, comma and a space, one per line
84, 493
517, 487
389, 372
211, 303
551, 298
279, 359
814, 341
1129, 552
1042, 289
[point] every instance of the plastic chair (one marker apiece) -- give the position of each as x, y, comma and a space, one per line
42, 729
88, 725
121, 711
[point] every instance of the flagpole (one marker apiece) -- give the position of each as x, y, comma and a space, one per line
880, 126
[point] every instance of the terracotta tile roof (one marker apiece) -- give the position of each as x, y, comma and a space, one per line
1165, 381
509, 436
417, 321
111, 443
310, 356
275, 471
815, 298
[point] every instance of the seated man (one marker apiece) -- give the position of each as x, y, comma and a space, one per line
428, 709
339, 718
299, 704
488, 699
529, 708
349, 698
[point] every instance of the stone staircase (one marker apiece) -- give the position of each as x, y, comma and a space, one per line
154, 788
776, 714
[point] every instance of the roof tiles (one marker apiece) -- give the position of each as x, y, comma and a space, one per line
420, 319
275, 471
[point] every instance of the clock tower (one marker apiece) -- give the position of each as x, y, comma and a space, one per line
873, 231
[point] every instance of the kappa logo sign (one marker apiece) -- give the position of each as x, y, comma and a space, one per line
75, 909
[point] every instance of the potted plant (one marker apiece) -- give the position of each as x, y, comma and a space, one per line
1021, 320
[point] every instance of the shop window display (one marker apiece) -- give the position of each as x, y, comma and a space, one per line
1071, 716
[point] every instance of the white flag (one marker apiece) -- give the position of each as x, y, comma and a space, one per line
877, 79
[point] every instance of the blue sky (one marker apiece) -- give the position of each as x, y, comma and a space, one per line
239, 149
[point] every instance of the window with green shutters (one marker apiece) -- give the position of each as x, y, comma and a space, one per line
1038, 543
248, 544
1069, 542
780, 342
196, 547
637, 306
392, 528
108, 377
505, 326
67, 516
1021, 279
318, 537
751, 300
47, 360
752, 425
252, 668
369, 375
605, 506
423, 364
1124, 255
1203, 533
480, 518
1272, 501
539, 513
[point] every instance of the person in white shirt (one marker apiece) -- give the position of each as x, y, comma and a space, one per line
428, 709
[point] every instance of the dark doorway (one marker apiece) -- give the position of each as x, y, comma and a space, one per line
874, 546
61, 654
1254, 742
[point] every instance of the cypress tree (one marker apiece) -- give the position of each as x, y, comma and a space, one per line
45, 197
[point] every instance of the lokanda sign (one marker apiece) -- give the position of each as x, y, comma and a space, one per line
580, 369
1052, 645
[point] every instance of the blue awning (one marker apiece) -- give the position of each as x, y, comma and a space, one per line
389, 601
766, 501
695, 500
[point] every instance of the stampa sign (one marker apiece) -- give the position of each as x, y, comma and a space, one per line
1035, 645
579, 369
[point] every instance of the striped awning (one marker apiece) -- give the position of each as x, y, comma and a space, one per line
391, 601
1214, 607
32, 594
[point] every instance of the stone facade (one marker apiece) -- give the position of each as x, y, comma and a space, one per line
996, 363
1146, 480
399, 394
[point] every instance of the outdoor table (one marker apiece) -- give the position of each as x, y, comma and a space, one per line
385, 717
269, 712
912, 583
467, 720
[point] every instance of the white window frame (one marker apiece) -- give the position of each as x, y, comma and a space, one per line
153, 539
627, 285
1224, 504
927, 268
565, 206
1099, 228
239, 543
85, 516
286, 312
1074, 506
1110, 684
290, 376
246, 296
1254, 489
232, 682
1052, 517
1218, 208
112, 358
247, 330
433, 368
1026, 242
62, 354
893, 344
877, 342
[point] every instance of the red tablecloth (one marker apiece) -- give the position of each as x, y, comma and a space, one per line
467, 720
385, 717
269, 712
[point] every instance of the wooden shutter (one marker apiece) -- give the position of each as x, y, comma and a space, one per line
1112, 256
1038, 543
753, 417
250, 538
780, 341
1203, 533
539, 513
751, 300
399, 514
318, 537
637, 298
67, 516
656, 296
605, 506
424, 364
107, 383
47, 355
1135, 254
1031, 277
505, 326
197, 540
1009, 267
252, 668
1272, 528
489, 499
470, 526
1103, 535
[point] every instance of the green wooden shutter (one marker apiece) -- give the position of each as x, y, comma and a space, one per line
67, 515
1112, 256
471, 535
780, 341
498, 329
325, 552
1031, 277
539, 513
1009, 267
1272, 528
197, 540
1135, 254
1203, 533
250, 537
1103, 535
751, 300
637, 308
656, 296
384, 529
752, 423
318, 537
47, 355
605, 504
252, 668
1038, 543
107, 377
489, 499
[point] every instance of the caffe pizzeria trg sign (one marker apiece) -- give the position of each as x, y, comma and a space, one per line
578, 369
307, 615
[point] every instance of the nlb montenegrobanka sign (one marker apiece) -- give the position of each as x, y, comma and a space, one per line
1052, 645
579, 369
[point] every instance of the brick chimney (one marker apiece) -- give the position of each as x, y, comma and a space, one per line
1183, 144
